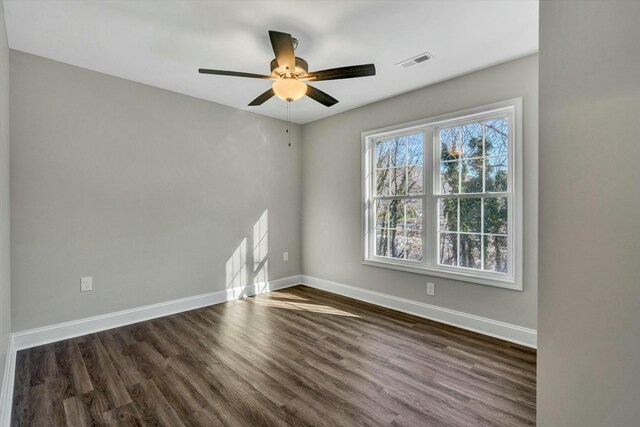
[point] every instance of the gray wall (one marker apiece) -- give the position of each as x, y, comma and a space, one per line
5, 278
148, 191
332, 195
589, 306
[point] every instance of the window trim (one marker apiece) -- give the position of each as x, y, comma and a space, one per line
428, 266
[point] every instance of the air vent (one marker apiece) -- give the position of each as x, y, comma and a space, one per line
415, 60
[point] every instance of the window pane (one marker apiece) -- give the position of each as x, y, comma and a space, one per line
471, 176
398, 151
448, 215
414, 246
414, 214
497, 169
496, 215
382, 213
470, 215
382, 154
382, 242
472, 140
397, 242
415, 147
398, 181
448, 251
415, 180
390, 213
449, 177
495, 253
470, 252
396, 213
382, 182
449, 136
390, 243
496, 136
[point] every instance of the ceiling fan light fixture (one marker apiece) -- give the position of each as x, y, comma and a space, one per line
289, 89
291, 72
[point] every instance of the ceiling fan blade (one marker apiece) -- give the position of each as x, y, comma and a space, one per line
282, 44
320, 96
233, 73
262, 98
343, 73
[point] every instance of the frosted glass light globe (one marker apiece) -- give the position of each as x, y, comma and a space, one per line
289, 89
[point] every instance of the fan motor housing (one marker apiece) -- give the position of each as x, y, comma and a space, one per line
302, 68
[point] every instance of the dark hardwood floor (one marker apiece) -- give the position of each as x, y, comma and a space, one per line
297, 356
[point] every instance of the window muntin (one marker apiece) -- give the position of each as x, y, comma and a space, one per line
440, 196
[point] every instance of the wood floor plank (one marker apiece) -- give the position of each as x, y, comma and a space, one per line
103, 374
71, 366
97, 404
293, 357
152, 405
125, 416
121, 358
44, 405
43, 362
21, 386
177, 390
76, 413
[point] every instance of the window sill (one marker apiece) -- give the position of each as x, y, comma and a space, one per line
445, 273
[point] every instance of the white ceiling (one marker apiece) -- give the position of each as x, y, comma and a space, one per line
163, 43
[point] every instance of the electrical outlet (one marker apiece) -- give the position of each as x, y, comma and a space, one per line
431, 288
86, 284
285, 256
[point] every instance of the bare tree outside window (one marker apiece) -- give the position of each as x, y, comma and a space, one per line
399, 175
473, 230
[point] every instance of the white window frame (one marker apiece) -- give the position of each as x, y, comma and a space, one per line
431, 155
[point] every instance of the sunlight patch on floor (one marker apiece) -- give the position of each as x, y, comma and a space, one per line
286, 295
289, 305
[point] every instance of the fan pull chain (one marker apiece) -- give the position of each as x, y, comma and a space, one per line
289, 121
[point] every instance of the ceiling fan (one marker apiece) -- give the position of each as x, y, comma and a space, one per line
290, 74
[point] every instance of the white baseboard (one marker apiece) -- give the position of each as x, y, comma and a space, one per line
6, 388
506, 331
76, 328
61, 331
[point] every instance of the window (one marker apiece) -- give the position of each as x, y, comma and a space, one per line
443, 196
